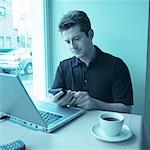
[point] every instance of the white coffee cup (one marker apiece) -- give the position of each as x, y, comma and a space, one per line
111, 123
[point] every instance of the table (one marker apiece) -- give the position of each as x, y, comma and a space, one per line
76, 135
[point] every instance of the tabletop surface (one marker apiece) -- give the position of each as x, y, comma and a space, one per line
75, 135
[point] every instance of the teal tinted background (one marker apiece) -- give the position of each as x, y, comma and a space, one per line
147, 90
120, 28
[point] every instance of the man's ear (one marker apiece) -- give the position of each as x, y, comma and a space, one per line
91, 34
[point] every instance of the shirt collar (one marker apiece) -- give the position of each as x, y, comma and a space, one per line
77, 61
98, 56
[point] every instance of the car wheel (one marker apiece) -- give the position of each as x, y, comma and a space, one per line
28, 69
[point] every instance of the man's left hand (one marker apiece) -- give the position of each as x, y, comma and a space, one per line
83, 100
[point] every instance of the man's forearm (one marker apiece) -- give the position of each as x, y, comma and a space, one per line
119, 107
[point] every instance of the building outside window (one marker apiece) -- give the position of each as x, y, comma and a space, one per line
8, 42
1, 42
18, 29
2, 11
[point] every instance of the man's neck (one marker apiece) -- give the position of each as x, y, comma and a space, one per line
90, 57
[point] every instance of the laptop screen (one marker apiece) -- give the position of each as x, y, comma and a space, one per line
15, 101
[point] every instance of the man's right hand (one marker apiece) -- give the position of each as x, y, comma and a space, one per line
65, 100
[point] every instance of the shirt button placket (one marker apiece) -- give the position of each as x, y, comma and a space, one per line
85, 80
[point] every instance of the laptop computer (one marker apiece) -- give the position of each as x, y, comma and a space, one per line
18, 105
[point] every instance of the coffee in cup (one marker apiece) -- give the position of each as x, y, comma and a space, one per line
111, 123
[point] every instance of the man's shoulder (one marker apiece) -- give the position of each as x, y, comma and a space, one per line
114, 61
108, 57
111, 58
69, 62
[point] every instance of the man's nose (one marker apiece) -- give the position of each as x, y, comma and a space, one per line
73, 45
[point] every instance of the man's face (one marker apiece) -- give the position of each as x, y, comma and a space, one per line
79, 43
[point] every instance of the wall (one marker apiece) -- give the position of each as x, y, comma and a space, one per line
147, 91
120, 29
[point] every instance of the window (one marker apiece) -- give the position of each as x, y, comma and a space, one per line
2, 11
20, 33
8, 42
1, 42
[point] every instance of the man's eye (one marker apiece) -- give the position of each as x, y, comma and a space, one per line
67, 42
77, 38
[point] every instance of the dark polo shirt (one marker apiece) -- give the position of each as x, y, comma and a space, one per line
107, 78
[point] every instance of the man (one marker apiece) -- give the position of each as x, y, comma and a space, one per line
93, 79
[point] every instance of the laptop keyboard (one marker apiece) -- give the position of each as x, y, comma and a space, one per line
49, 117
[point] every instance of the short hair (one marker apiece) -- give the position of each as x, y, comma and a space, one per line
73, 18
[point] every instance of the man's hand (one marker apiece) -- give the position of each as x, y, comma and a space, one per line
83, 100
80, 99
65, 100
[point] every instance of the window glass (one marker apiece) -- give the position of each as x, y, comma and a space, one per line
2, 11
16, 38
1, 42
8, 42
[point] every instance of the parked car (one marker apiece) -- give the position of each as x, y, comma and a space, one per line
17, 60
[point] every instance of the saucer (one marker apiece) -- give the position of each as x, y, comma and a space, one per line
124, 134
